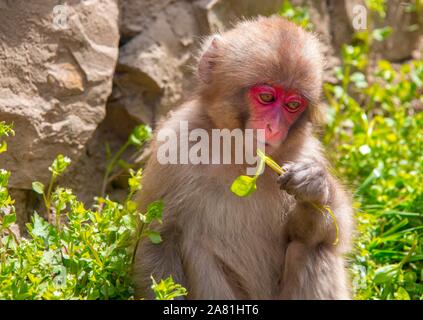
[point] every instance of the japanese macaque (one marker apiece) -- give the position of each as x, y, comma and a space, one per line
265, 74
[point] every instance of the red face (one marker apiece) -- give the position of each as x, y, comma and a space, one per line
274, 109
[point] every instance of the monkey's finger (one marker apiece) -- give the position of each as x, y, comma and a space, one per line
284, 179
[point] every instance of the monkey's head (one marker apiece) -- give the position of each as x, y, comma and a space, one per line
262, 74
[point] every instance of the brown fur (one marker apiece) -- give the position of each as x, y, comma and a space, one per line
273, 244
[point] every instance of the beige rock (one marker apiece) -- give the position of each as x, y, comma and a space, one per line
153, 64
407, 31
66, 78
56, 65
218, 15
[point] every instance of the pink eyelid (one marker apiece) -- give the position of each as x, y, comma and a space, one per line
287, 96
264, 89
295, 98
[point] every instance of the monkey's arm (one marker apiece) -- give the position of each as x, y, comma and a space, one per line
313, 266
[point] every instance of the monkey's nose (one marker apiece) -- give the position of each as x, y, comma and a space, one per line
269, 128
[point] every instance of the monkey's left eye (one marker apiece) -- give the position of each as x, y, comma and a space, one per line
293, 105
266, 98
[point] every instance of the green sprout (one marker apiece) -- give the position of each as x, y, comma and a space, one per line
5, 130
59, 165
167, 289
137, 138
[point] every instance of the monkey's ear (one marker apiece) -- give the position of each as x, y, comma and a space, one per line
208, 59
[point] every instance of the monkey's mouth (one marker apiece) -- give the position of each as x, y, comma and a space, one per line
274, 139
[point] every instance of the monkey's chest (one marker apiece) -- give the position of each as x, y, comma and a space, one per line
244, 235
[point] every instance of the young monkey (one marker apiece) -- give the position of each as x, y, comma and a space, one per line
263, 74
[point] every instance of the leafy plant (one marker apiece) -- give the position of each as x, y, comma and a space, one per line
85, 253
167, 290
378, 141
5, 130
299, 15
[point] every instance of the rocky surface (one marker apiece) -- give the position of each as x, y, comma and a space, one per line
56, 65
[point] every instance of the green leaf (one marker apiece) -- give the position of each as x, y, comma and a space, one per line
386, 273
154, 236
9, 219
381, 33
3, 146
401, 294
410, 277
359, 80
243, 186
154, 211
4, 177
6, 129
60, 164
38, 187
167, 289
124, 164
135, 180
40, 227
139, 135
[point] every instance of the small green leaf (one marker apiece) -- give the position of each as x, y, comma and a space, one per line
385, 274
243, 186
124, 164
154, 237
359, 80
131, 206
167, 289
38, 187
9, 219
135, 180
154, 211
410, 277
139, 135
402, 294
6, 129
3, 146
60, 164
40, 227
381, 33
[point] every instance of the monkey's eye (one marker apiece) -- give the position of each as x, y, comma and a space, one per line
266, 98
293, 105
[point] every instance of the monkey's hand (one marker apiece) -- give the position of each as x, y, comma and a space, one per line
308, 181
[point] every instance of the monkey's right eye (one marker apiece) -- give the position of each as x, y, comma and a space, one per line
266, 98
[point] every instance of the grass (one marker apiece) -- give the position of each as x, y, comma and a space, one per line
375, 140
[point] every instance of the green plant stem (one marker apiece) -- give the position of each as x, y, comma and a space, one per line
409, 254
345, 79
111, 166
139, 234
97, 258
57, 215
47, 199
119, 172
